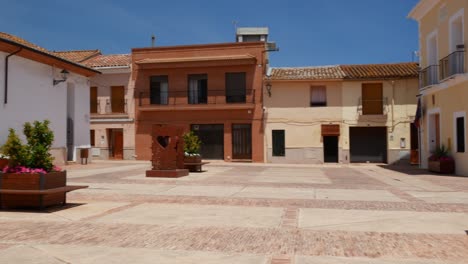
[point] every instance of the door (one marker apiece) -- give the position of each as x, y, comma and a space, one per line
117, 144
118, 99
368, 144
330, 148
94, 100
434, 132
212, 138
372, 99
241, 141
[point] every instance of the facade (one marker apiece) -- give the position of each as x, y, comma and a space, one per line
29, 93
213, 89
443, 79
342, 113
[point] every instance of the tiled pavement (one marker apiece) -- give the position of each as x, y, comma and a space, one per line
247, 213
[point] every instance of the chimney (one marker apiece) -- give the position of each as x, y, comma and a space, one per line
249, 34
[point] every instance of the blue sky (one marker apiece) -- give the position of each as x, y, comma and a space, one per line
308, 32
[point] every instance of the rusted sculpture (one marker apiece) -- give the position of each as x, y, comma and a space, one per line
168, 152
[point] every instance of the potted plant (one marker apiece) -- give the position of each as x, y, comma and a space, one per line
441, 162
4, 160
192, 148
31, 168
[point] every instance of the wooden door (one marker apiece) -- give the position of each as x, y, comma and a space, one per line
94, 100
241, 141
330, 149
118, 144
372, 99
118, 99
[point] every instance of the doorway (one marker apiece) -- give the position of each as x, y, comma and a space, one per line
368, 144
434, 132
212, 138
116, 144
241, 141
330, 149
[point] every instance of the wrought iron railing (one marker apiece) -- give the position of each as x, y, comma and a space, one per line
453, 64
373, 106
196, 97
429, 76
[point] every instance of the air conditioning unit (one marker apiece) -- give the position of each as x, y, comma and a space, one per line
461, 47
271, 46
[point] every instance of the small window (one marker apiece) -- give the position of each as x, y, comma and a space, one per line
460, 126
92, 139
278, 143
318, 96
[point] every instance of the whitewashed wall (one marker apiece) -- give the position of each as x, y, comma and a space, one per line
32, 96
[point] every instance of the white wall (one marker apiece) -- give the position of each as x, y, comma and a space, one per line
32, 96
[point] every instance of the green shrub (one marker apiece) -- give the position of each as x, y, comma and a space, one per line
191, 143
34, 154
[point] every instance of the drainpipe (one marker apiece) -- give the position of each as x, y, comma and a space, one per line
393, 106
5, 99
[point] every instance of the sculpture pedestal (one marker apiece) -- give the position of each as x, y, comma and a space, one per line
167, 173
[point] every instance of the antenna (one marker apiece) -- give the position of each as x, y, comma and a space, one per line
153, 40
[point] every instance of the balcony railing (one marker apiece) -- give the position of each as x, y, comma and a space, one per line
372, 107
210, 97
453, 64
429, 76
104, 107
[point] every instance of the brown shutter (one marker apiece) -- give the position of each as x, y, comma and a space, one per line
372, 99
94, 99
118, 99
330, 130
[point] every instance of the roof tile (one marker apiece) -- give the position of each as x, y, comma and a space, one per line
113, 60
78, 55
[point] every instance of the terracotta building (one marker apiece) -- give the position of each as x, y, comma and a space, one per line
213, 89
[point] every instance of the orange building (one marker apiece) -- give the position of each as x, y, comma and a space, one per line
213, 89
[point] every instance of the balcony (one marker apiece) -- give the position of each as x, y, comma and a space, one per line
196, 100
452, 64
105, 109
367, 107
429, 76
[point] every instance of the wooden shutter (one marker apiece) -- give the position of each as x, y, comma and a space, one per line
460, 134
92, 139
118, 99
235, 87
372, 99
278, 143
94, 100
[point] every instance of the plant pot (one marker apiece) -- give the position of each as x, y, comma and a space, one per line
32, 181
192, 159
3, 163
444, 167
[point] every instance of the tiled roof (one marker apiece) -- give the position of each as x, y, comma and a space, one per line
307, 73
349, 72
381, 71
112, 60
77, 55
32, 46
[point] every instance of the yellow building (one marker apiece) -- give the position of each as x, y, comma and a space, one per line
443, 78
343, 113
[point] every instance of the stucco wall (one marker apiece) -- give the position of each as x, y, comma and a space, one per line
288, 108
32, 96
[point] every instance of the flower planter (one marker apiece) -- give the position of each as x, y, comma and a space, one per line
32, 181
3, 163
192, 159
444, 167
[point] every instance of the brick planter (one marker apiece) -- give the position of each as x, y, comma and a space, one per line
3, 163
444, 167
192, 159
32, 181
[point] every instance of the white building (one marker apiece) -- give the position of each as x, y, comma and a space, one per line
33, 87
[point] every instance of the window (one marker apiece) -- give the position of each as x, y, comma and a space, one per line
94, 100
198, 89
372, 99
278, 143
118, 99
159, 90
235, 87
318, 96
92, 139
460, 133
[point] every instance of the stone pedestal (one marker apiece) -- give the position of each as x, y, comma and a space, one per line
168, 152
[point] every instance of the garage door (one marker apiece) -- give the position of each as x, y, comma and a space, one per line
368, 144
212, 138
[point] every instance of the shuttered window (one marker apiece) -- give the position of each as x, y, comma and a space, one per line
94, 100
118, 99
278, 143
92, 135
235, 87
460, 134
318, 96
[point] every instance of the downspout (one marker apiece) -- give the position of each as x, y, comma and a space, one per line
5, 99
393, 106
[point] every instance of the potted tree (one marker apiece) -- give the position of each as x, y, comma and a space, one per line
192, 148
31, 168
4, 160
441, 162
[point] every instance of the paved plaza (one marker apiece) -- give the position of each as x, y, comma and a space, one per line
247, 213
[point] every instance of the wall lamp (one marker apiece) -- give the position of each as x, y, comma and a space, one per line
268, 88
64, 74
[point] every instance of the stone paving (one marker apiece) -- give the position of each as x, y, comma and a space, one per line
247, 213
